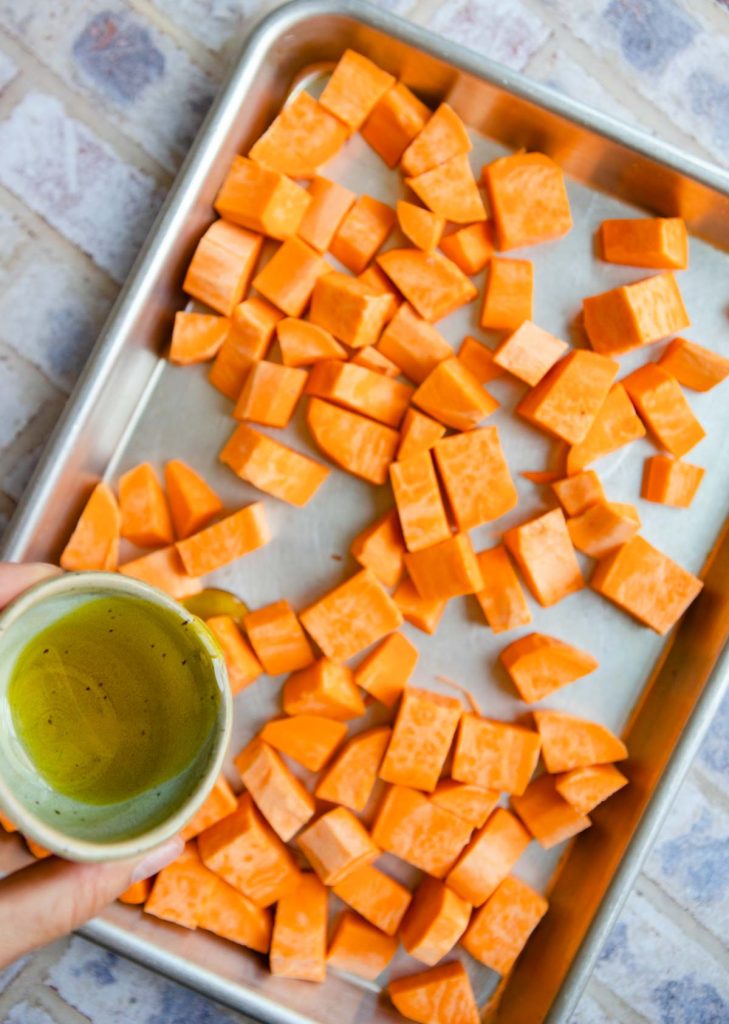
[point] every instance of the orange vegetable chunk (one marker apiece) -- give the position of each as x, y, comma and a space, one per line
549, 817
445, 570
421, 738
277, 793
308, 739
7, 824
529, 352
278, 639
508, 295
615, 425
378, 283
242, 664
365, 229
475, 476
378, 898
359, 948
603, 528
419, 612
670, 482
94, 543
355, 443
538, 665
471, 247
350, 309
494, 755
361, 390
694, 366
663, 408
302, 137
270, 393
443, 137
351, 777
418, 434
440, 995
220, 802
577, 493
145, 517
261, 200
303, 344
585, 788
37, 851
385, 671
412, 827
570, 742
232, 916
488, 858
421, 227
501, 598
450, 191
660, 242
419, 503
197, 337
251, 333
479, 359
352, 616
380, 547
245, 851
355, 88
568, 399
528, 199
288, 279
337, 844
181, 890
324, 688
224, 541
272, 467
372, 359
137, 893
435, 921
299, 939
634, 314
192, 501
472, 803
431, 283
500, 928
330, 201
394, 122
451, 394
543, 550
163, 569
413, 344
222, 266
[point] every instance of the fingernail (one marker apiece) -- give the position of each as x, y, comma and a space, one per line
158, 859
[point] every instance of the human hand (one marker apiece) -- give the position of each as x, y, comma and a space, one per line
51, 898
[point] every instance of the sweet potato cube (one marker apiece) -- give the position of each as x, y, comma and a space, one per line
635, 314
546, 814
359, 948
299, 939
225, 541
603, 528
501, 598
252, 325
145, 515
566, 401
309, 739
452, 395
242, 664
94, 543
329, 203
337, 844
359, 389
192, 501
508, 295
479, 359
538, 665
419, 612
354, 89
577, 493
363, 231
670, 482
412, 827
349, 309
303, 343
378, 898
272, 467
418, 434
500, 928
324, 688
288, 279
278, 639
585, 788
570, 742
529, 352
222, 266
528, 199
394, 122
372, 359
385, 671
180, 890
694, 366
615, 425
495, 755
471, 247
432, 284
413, 344
197, 337
660, 242
261, 199
220, 802
440, 995
355, 443
475, 476
662, 406
443, 137
231, 915
137, 893
419, 504
450, 191
163, 569
435, 921
351, 777
270, 393
302, 137
445, 570
245, 851
380, 547
352, 616
647, 584
378, 283
275, 790
420, 226
488, 858
421, 738
472, 803
543, 551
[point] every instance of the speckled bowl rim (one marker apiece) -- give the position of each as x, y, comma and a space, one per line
56, 840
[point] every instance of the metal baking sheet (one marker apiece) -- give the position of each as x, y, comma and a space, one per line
132, 405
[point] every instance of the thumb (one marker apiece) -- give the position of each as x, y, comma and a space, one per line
47, 900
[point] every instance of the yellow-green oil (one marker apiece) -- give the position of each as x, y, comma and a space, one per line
114, 699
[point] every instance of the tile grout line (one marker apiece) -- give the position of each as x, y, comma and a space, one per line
208, 59
50, 1000
612, 1003
713, 793
662, 901
32, 975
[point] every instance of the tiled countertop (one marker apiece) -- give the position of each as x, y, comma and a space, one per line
98, 102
